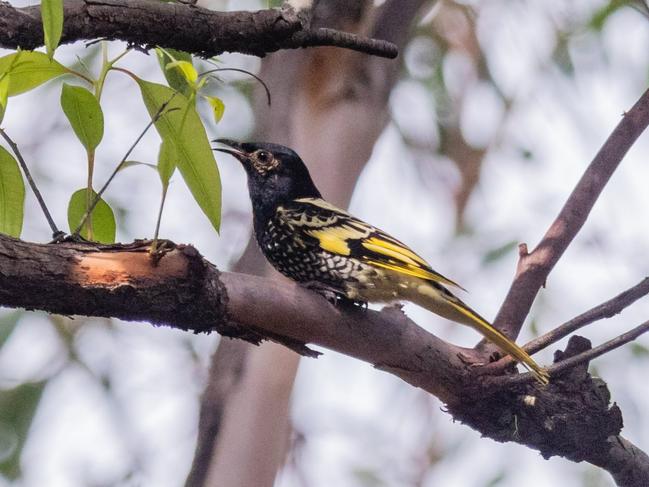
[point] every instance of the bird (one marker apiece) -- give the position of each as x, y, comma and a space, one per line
326, 249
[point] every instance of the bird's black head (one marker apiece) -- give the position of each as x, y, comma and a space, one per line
276, 174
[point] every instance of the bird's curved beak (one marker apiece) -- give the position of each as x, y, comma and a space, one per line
234, 148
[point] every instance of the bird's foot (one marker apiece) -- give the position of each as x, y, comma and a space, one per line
344, 301
334, 296
329, 293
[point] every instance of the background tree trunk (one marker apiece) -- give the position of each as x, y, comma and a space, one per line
330, 107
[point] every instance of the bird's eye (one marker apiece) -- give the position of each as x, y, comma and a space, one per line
263, 156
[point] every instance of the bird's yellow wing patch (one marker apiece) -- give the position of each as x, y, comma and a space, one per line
399, 252
340, 233
335, 239
392, 254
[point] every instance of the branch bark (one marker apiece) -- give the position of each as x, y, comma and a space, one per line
571, 417
150, 23
534, 267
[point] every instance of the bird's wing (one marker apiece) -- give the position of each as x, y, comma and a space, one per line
338, 232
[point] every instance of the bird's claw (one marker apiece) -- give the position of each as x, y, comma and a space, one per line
334, 296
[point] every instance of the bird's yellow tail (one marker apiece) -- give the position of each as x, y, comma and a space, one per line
451, 307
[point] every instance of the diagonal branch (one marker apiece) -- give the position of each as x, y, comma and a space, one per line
534, 267
150, 23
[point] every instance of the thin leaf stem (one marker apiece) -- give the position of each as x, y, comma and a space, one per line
163, 198
14, 147
91, 208
261, 81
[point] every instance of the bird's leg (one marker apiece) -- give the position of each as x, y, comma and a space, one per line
334, 295
348, 302
330, 293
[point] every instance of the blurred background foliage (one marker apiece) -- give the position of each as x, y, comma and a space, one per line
500, 106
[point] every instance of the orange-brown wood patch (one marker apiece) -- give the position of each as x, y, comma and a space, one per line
119, 268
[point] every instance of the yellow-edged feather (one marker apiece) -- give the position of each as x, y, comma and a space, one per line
341, 234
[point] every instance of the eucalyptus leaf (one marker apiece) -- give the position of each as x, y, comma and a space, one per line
186, 68
29, 69
167, 158
52, 16
175, 77
103, 219
127, 164
84, 113
218, 107
182, 125
4, 95
12, 195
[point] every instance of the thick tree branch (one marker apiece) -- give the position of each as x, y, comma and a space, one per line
571, 417
150, 23
534, 267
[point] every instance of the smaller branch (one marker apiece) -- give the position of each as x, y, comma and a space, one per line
331, 37
605, 310
600, 350
253, 75
32, 184
510, 381
535, 267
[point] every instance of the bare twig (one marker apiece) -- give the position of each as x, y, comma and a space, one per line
32, 184
527, 378
534, 267
605, 310
253, 75
331, 37
600, 350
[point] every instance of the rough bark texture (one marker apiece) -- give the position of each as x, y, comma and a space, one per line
571, 417
150, 23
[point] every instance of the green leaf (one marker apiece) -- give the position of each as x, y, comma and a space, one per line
182, 125
4, 94
103, 220
12, 195
17, 409
84, 113
52, 15
127, 164
175, 77
186, 68
218, 107
167, 158
29, 69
